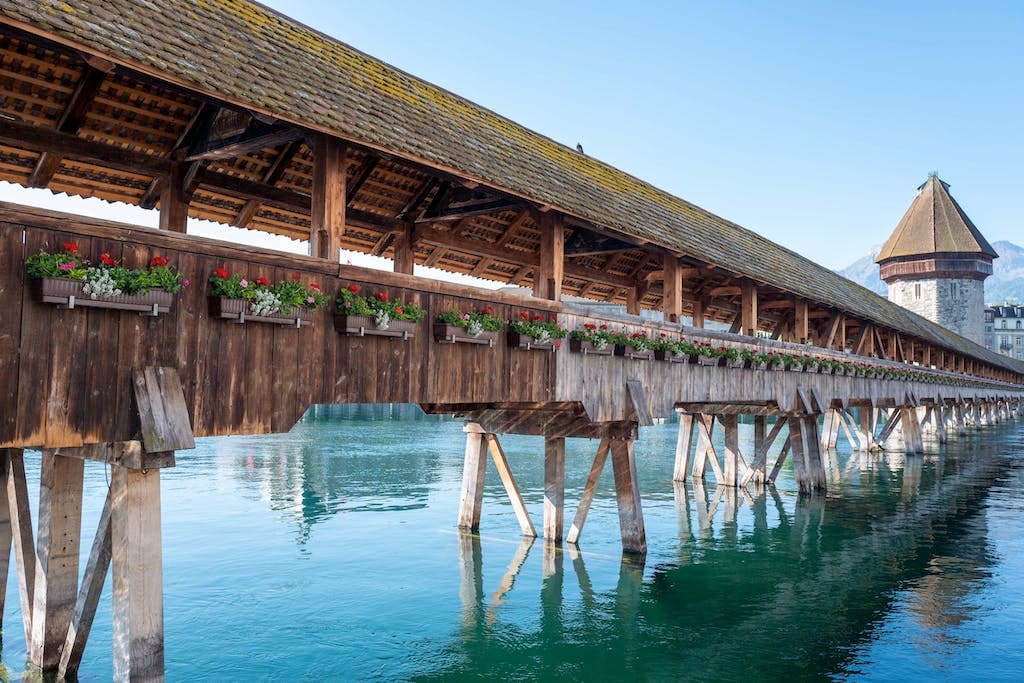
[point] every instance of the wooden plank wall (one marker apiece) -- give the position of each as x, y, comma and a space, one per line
65, 375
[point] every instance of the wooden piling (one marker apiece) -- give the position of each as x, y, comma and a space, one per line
57, 555
684, 445
627, 495
588, 492
138, 608
473, 468
554, 488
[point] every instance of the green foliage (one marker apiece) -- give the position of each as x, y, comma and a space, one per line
350, 302
68, 264
482, 319
536, 327
291, 293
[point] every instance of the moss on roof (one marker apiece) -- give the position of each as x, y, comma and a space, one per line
245, 53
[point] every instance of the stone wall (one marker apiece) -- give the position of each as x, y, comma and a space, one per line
957, 304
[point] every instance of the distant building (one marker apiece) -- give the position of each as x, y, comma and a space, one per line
1007, 330
936, 261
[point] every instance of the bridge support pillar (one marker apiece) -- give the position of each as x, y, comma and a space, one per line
941, 417
627, 495
805, 445
554, 488
912, 442
684, 444
473, 470
830, 429
868, 427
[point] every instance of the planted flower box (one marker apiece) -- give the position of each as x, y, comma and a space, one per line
811, 367
239, 311
364, 325
588, 348
527, 343
735, 363
453, 334
68, 293
755, 364
636, 354
796, 367
662, 354
776, 367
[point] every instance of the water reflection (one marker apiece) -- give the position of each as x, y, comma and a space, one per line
317, 471
765, 584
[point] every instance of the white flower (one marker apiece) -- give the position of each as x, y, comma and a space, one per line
381, 319
98, 282
265, 303
474, 328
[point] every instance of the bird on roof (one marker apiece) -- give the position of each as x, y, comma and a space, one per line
579, 148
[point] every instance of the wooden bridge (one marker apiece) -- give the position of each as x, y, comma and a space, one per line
219, 124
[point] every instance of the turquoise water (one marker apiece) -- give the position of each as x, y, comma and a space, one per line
330, 553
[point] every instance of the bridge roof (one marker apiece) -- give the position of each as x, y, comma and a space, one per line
246, 55
935, 224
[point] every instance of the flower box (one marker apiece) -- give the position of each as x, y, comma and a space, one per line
811, 367
588, 348
68, 293
364, 325
453, 334
709, 361
237, 310
755, 364
795, 367
661, 354
527, 343
776, 367
636, 354
736, 363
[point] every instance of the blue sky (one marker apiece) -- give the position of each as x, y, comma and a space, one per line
812, 123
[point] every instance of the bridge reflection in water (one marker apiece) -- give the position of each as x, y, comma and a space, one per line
763, 584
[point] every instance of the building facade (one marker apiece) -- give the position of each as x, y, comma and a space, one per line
1007, 330
936, 261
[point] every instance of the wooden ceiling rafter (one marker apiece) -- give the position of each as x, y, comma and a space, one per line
270, 178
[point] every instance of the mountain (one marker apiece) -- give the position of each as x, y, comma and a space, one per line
1005, 285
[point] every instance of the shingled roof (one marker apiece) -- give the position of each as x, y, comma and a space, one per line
247, 55
935, 224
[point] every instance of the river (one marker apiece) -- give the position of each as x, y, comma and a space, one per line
330, 553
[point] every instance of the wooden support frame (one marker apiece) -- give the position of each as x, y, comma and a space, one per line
473, 468
511, 487
174, 199
672, 302
551, 268
748, 307
801, 328
589, 489
684, 444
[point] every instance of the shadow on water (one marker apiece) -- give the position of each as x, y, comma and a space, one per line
764, 586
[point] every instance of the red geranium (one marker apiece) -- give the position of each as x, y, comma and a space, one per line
315, 286
107, 260
538, 318
383, 296
488, 310
604, 327
158, 261
524, 315
399, 310
262, 281
295, 276
353, 288
70, 247
222, 273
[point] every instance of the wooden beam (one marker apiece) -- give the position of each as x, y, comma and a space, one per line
70, 122
174, 200
511, 488
588, 492
270, 178
240, 145
698, 312
801, 332
327, 219
21, 524
627, 495
547, 283
362, 175
672, 304
748, 307
196, 126
402, 249
473, 468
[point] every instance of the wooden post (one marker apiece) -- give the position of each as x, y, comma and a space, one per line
627, 495
548, 282
684, 444
812, 453
830, 433
473, 468
698, 312
554, 488
405, 256
174, 199
672, 303
868, 425
138, 609
588, 492
56, 576
800, 331
633, 300
797, 440
748, 306
327, 215
730, 424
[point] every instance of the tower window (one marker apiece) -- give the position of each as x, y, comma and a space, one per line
917, 291
954, 290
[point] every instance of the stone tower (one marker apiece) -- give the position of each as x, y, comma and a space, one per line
936, 262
